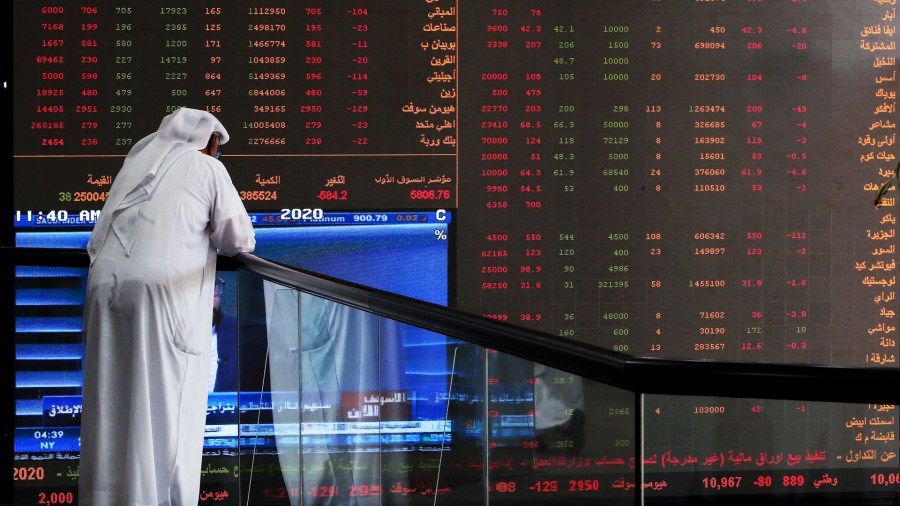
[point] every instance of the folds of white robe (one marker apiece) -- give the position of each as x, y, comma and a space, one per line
148, 314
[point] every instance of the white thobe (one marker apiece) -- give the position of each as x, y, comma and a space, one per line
148, 315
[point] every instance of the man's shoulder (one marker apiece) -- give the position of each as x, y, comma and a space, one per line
205, 164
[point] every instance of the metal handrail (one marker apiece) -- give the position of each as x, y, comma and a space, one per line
641, 375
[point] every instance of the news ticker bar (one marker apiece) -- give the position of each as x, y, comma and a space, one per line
284, 217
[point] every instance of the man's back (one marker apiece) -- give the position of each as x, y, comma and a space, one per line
148, 314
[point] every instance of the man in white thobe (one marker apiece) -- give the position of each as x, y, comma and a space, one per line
148, 314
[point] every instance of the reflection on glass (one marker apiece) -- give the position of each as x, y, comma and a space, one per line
556, 438
350, 408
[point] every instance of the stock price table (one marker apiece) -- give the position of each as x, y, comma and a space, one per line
680, 179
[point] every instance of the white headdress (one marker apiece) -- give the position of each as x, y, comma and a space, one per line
180, 132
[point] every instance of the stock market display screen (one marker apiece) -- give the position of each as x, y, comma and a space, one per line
689, 179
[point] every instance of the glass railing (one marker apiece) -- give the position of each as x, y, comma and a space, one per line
356, 408
330, 393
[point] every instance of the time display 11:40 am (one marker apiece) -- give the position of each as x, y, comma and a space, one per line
57, 216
